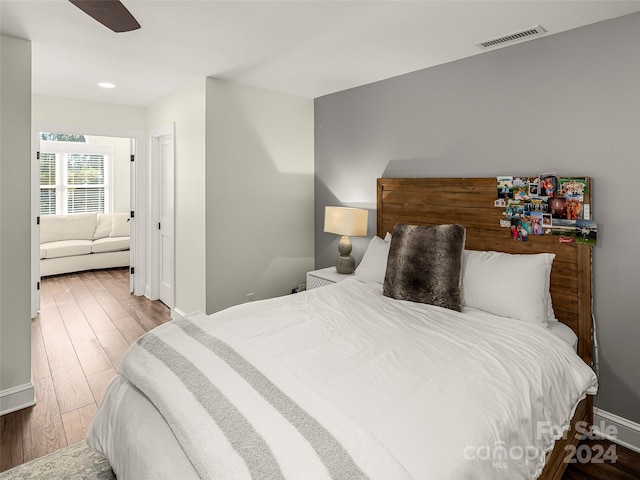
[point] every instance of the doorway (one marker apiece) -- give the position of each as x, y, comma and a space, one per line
126, 167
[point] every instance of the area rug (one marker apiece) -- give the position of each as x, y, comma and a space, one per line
77, 461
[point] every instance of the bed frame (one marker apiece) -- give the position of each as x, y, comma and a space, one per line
470, 202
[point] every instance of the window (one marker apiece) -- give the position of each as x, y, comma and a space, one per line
85, 183
62, 137
47, 184
74, 178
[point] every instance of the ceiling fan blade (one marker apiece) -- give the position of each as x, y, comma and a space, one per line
111, 13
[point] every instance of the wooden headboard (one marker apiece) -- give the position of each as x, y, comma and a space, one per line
469, 202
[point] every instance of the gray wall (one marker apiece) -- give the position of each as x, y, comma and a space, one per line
15, 214
566, 103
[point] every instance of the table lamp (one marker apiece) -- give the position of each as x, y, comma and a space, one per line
345, 221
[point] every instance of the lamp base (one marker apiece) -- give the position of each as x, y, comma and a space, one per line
345, 265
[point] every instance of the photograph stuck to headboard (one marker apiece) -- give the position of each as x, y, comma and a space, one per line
470, 202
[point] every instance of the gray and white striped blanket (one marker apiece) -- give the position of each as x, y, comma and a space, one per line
238, 415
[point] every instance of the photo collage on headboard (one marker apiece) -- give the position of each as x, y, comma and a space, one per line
547, 204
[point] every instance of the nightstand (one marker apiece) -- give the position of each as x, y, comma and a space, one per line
324, 277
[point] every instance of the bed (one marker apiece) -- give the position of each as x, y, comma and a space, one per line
345, 381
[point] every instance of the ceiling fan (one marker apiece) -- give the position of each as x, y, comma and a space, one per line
111, 13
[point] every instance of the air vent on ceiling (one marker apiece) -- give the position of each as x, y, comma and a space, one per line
513, 37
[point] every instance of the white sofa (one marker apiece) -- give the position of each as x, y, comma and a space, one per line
83, 241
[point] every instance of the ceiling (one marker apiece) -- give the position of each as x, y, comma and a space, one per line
302, 47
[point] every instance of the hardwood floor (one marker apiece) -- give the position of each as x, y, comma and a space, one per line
603, 460
85, 325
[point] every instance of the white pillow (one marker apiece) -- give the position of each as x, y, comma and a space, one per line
105, 223
514, 286
120, 226
551, 315
373, 266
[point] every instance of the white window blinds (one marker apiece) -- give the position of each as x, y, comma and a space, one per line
47, 183
85, 183
74, 181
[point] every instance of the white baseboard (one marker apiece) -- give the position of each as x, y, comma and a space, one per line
17, 398
147, 291
617, 429
177, 314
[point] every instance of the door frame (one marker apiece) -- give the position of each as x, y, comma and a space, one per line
156, 252
138, 201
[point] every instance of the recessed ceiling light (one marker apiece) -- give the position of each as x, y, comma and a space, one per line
106, 85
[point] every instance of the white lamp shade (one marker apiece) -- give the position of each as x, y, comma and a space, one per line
346, 221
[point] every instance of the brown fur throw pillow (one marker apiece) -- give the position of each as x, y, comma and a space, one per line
424, 265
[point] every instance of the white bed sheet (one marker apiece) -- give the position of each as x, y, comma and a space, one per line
417, 377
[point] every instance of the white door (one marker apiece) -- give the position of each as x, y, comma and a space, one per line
35, 225
165, 223
133, 220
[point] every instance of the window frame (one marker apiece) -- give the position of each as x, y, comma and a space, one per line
62, 150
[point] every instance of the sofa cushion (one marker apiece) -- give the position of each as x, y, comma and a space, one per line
65, 248
103, 229
110, 244
79, 226
120, 227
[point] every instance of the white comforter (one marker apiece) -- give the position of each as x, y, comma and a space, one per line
450, 395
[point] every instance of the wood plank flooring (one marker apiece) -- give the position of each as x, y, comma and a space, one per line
85, 325
603, 460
